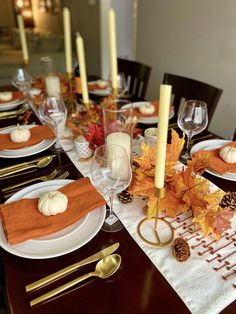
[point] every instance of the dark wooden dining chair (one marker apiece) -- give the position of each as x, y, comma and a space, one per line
137, 76
184, 88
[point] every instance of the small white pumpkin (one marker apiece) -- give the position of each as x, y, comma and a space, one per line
52, 203
20, 135
228, 154
101, 83
147, 108
6, 96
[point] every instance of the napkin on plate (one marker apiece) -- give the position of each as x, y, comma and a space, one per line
215, 162
15, 96
138, 114
38, 133
22, 220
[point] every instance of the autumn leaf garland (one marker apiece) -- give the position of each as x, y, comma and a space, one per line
185, 189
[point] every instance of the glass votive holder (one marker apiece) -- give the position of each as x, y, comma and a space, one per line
82, 147
150, 136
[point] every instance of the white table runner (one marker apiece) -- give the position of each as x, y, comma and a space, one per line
206, 282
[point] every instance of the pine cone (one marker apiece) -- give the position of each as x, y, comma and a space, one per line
180, 249
229, 200
125, 197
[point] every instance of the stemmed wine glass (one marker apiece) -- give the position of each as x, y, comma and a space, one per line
53, 112
192, 119
122, 86
110, 173
22, 81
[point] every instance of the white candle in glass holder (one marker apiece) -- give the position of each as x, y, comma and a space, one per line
53, 86
120, 138
119, 168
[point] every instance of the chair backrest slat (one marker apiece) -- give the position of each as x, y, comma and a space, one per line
137, 76
187, 88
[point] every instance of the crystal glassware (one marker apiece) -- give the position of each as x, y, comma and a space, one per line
50, 76
53, 112
110, 173
22, 81
118, 124
122, 86
192, 119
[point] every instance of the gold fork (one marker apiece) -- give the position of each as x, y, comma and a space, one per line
64, 175
50, 176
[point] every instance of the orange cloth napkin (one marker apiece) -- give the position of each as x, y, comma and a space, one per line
216, 163
138, 114
22, 220
38, 133
15, 96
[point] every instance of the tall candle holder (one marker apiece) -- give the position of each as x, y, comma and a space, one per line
115, 91
160, 193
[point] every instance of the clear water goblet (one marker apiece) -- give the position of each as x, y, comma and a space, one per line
53, 112
192, 119
110, 173
22, 81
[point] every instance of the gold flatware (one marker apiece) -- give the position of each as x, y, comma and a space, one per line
105, 268
9, 117
4, 114
18, 174
48, 177
37, 163
62, 176
68, 270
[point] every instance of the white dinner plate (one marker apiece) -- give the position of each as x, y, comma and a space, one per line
11, 104
210, 145
59, 243
148, 120
99, 91
26, 151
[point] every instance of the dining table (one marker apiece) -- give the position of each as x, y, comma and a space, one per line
139, 285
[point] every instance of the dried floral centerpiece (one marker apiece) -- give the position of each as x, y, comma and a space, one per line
185, 189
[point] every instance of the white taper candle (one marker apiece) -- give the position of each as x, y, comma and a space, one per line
67, 39
162, 131
23, 40
82, 65
112, 43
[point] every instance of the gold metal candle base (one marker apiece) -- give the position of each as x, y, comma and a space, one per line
114, 91
158, 240
25, 61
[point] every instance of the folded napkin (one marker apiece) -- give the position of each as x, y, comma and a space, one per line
22, 220
138, 114
38, 133
15, 96
216, 163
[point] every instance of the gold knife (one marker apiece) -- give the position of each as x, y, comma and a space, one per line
68, 270
9, 168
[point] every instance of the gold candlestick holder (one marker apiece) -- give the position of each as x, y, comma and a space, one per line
114, 91
158, 242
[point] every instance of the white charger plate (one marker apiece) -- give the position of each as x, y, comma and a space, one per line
148, 120
210, 145
100, 91
26, 151
11, 104
59, 243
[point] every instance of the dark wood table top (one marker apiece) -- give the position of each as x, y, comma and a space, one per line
137, 287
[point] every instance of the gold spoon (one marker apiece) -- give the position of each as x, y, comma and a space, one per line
104, 269
40, 164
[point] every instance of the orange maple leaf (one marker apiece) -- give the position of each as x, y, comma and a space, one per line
174, 149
